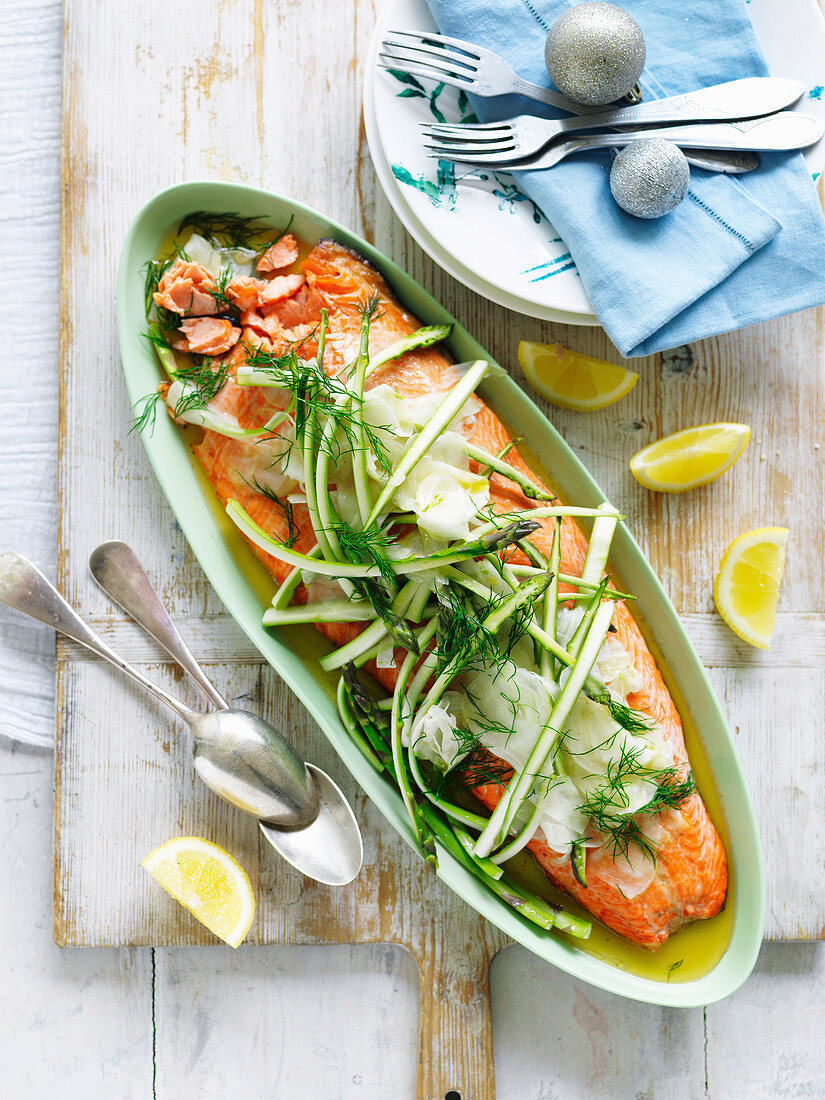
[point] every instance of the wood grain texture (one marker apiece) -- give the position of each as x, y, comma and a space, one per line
713, 380
113, 740
576, 1044
270, 94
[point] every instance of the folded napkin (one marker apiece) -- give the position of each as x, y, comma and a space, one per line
736, 251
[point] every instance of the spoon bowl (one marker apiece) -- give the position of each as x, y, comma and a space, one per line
326, 850
247, 762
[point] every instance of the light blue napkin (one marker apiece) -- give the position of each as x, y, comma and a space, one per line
735, 252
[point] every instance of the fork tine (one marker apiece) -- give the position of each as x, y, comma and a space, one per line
455, 158
469, 128
481, 155
431, 53
433, 38
450, 134
419, 57
426, 70
471, 146
423, 68
507, 141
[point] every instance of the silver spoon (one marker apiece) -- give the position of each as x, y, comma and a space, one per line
237, 754
328, 848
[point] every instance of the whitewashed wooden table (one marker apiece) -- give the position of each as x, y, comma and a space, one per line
303, 1022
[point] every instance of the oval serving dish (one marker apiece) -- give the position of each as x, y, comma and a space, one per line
720, 953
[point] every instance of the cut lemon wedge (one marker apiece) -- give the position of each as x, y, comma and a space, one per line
746, 589
689, 458
571, 380
208, 881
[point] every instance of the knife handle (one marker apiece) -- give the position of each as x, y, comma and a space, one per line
748, 97
776, 133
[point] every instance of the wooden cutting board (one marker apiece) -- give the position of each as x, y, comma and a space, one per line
270, 94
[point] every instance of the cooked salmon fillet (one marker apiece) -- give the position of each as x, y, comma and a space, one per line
690, 877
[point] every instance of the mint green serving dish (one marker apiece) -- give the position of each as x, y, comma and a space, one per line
700, 964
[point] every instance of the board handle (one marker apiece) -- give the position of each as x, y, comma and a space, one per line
455, 1035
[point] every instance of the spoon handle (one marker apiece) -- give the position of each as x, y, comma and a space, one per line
116, 569
24, 588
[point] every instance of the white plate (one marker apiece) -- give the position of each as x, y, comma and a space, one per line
484, 231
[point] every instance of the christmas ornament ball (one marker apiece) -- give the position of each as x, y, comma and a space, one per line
650, 178
595, 53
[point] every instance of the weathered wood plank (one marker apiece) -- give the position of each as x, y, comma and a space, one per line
242, 1023
783, 756
557, 1037
749, 1059
68, 1016
799, 641
111, 736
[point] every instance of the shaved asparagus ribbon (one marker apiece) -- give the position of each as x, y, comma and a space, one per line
423, 337
403, 566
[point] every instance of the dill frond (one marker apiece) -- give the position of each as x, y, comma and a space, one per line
154, 272
369, 546
146, 412
218, 292
370, 309
230, 229
312, 388
285, 508
634, 721
157, 336
207, 379
461, 637
518, 625
604, 806
478, 768
204, 381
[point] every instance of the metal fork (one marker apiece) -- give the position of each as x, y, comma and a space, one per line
472, 68
780, 132
526, 135
464, 65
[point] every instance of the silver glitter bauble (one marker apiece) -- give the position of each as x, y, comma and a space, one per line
650, 178
595, 53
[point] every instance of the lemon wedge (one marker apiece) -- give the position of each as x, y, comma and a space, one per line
208, 881
689, 458
571, 380
746, 589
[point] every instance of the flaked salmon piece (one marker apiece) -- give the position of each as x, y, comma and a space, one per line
178, 341
251, 407
269, 326
241, 352
300, 332
245, 293
689, 880
209, 335
279, 255
186, 289
302, 308
278, 288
